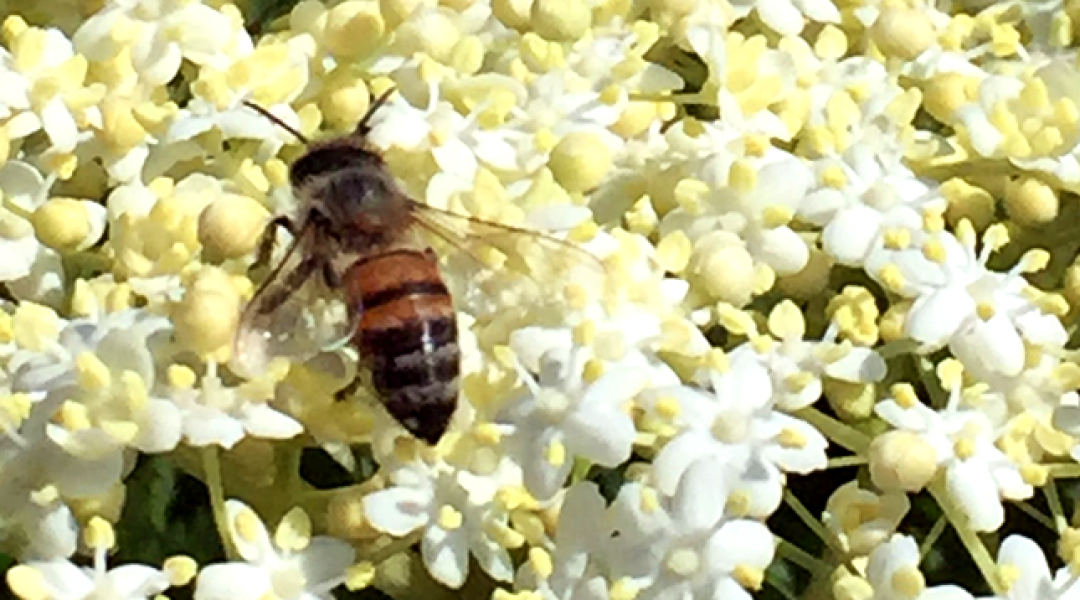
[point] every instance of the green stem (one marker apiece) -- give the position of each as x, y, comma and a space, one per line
837, 431
968, 536
1032, 512
212, 474
819, 530
932, 537
1060, 523
846, 461
897, 348
1064, 471
808, 562
392, 548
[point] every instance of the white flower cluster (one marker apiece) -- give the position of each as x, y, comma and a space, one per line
830, 234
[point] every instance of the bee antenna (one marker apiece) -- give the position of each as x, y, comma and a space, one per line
363, 127
276, 121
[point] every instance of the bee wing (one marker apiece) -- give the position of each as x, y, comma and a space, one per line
543, 268
294, 314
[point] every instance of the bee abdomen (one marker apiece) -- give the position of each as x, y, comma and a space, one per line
408, 337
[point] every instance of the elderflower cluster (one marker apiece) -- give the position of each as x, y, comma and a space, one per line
783, 303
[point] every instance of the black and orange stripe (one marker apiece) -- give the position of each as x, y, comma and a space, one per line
408, 337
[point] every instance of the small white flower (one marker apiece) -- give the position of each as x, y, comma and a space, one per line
862, 518
562, 416
985, 317
1028, 574
558, 103
456, 142
102, 370
159, 34
38, 88
60, 579
456, 512
977, 474
290, 566
893, 571
580, 536
737, 426
867, 192
787, 17
31, 270
742, 111
684, 547
214, 413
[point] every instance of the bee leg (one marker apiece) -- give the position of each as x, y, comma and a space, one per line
292, 281
331, 276
269, 236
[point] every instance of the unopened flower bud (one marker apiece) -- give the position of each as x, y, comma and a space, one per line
902, 460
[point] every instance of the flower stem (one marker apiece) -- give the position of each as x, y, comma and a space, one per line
837, 431
393, 547
932, 537
1061, 523
802, 558
820, 530
968, 536
846, 461
1035, 514
212, 473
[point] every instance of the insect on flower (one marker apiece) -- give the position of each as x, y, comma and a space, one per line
363, 269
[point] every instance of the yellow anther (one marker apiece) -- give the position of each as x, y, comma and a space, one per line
897, 238
623, 589
748, 577
690, 194
905, 396
674, 251
791, 439
541, 562
14, 409
797, 382
91, 372
555, 454
742, 175
892, 277
449, 518
908, 582
776, 216
99, 534
134, 390
950, 372
247, 525
545, 140
585, 333
996, 236
360, 576
650, 502
834, 177
181, 377
294, 532
667, 407
738, 503
965, 448
180, 570
594, 369
1034, 475
762, 344
934, 251
487, 434
717, 360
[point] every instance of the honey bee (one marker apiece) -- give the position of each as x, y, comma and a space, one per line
363, 270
